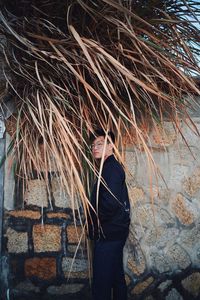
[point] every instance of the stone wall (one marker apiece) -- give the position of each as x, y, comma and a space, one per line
162, 253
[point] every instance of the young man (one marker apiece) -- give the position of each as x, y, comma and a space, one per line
109, 223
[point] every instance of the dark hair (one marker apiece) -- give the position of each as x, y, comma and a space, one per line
101, 132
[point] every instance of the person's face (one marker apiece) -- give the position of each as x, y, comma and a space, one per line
98, 148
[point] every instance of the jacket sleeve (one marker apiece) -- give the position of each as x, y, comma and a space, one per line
110, 195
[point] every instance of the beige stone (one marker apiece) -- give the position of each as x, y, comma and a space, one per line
135, 194
127, 279
36, 193
183, 210
130, 165
17, 241
58, 215
141, 286
136, 262
192, 284
46, 238
74, 233
192, 184
30, 214
43, 268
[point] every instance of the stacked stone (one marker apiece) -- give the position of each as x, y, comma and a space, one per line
46, 250
162, 254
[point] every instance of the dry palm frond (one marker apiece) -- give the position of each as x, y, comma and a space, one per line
77, 65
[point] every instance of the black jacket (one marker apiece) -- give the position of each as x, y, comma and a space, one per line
113, 204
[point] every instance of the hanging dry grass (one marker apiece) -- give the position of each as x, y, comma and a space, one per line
77, 65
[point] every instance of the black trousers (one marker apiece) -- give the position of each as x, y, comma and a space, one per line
108, 271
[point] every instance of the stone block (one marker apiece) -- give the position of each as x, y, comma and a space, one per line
36, 193
173, 294
74, 233
46, 238
58, 215
65, 289
164, 285
190, 238
61, 197
130, 165
17, 241
135, 194
27, 214
27, 286
192, 184
159, 263
42, 268
136, 262
177, 257
141, 286
75, 268
192, 284
160, 236
183, 210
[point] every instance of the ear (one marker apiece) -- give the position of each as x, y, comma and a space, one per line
110, 146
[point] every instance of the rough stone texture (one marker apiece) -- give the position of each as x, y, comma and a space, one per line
140, 287
43, 268
30, 214
130, 165
159, 263
136, 262
74, 233
183, 210
27, 286
192, 184
190, 238
164, 285
161, 236
164, 135
36, 193
46, 238
17, 241
58, 215
174, 295
61, 196
177, 257
65, 289
135, 194
192, 284
77, 267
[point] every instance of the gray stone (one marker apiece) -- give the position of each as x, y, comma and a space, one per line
74, 265
174, 295
190, 238
164, 285
177, 257
65, 289
17, 241
61, 197
161, 236
159, 263
27, 286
